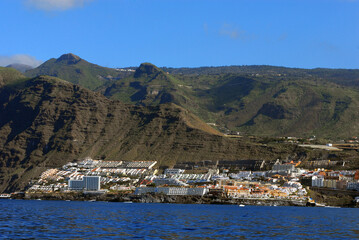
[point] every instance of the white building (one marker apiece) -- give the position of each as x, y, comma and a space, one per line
87, 183
171, 171
241, 175
259, 174
140, 164
168, 181
291, 184
278, 167
172, 191
317, 181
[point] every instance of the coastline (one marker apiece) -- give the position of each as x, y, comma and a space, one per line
159, 198
319, 198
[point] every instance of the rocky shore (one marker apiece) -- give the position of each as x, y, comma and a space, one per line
334, 197
324, 198
157, 198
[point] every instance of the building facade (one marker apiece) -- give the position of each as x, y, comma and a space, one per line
87, 183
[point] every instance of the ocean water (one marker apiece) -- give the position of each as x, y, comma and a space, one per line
20, 219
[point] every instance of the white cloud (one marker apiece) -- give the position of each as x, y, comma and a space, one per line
56, 5
230, 31
19, 58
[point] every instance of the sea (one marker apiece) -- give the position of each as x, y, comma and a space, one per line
35, 219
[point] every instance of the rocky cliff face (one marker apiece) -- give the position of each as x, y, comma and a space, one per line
47, 122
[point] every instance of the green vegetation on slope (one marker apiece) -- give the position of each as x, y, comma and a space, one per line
254, 100
76, 70
251, 100
9, 75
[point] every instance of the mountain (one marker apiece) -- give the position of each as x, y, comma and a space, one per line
20, 67
76, 70
254, 100
346, 77
46, 122
251, 100
149, 85
9, 75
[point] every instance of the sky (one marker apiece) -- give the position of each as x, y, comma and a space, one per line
182, 33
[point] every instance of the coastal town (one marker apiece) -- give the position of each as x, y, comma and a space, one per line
231, 180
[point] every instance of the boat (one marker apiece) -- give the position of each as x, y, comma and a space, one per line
5, 195
241, 205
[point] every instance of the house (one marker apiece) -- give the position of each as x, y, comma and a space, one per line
231, 191
317, 181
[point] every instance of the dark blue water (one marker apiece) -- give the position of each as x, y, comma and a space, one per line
102, 220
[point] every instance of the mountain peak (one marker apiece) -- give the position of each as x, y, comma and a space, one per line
69, 58
146, 69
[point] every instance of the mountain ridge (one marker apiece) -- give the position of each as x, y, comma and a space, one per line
251, 100
20, 67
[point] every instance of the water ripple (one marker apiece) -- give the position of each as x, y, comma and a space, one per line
100, 220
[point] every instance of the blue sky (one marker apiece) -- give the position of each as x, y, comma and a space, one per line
183, 33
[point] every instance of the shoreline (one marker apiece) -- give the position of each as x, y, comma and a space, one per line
161, 198
321, 197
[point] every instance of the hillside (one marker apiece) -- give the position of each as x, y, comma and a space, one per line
47, 122
20, 67
9, 75
255, 100
148, 85
346, 77
251, 100
76, 70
